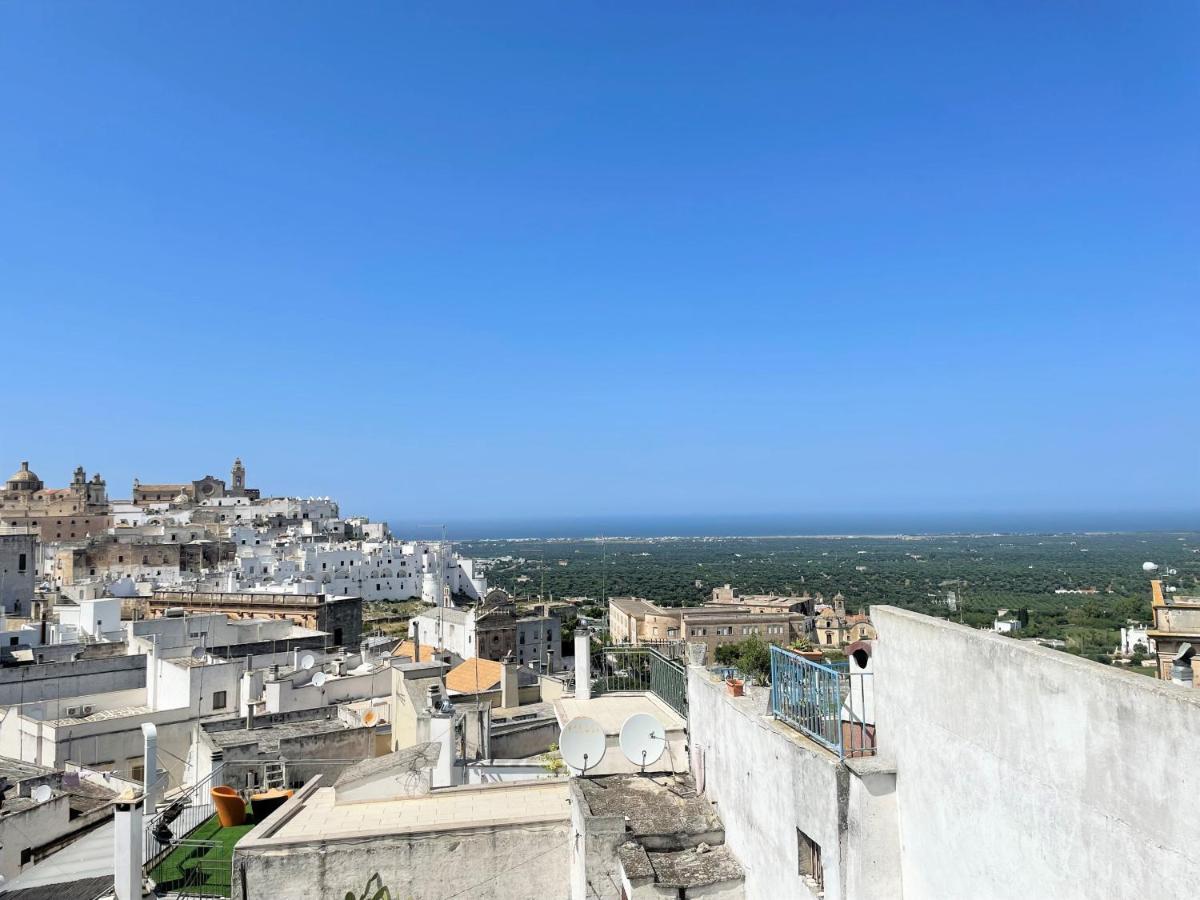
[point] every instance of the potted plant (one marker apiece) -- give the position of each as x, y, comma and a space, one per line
805, 649
736, 686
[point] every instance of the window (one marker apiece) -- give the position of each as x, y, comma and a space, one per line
21, 562
12, 642
26, 856
138, 773
218, 700
809, 853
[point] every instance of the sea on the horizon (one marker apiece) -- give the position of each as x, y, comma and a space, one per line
770, 525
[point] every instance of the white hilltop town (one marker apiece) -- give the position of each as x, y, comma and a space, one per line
193, 703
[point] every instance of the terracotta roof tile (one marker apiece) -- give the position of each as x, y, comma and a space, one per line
474, 676
405, 648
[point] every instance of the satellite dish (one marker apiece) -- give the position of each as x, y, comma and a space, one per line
319, 679
582, 744
42, 793
198, 653
370, 718
1149, 567
307, 661
643, 739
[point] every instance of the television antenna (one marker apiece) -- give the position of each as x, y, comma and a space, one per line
643, 739
582, 744
42, 793
307, 661
199, 653
319, 679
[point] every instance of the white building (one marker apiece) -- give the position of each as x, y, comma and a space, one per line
1132, 636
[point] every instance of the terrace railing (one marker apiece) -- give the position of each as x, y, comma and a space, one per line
641, 669
182, 815
833, 706
195, 869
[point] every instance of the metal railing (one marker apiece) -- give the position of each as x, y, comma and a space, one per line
640, 669
183, 814
195, 869
833, 706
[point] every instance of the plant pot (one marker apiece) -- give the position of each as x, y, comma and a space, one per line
231, 809
736, 687
267, 802
812, 655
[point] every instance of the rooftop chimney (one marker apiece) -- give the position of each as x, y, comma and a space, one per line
150, 765
127, 847
583, 665
510, 697
1181, 665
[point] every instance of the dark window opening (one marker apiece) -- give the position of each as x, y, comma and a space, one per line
809, 853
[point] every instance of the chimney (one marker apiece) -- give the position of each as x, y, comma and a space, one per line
127, 847
510, 697
583, 665
441, 729
150, 765
416, 639
1181, 665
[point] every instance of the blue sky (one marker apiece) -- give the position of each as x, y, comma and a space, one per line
544, 259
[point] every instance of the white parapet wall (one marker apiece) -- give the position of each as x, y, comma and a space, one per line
1027, 772
771, 785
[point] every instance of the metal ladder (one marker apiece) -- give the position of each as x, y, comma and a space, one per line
274, 775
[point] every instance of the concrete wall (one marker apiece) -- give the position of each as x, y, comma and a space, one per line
30, 829
769, 782
1027, 772
518, 740
766, 781
494, 863
286, 695
50, 681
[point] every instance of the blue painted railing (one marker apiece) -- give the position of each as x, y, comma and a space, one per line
830, 705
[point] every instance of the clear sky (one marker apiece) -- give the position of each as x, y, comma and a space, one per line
541, 259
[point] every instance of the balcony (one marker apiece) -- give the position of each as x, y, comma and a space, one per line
832, 704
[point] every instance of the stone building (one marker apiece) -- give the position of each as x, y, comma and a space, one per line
834, 628
206, 488
58, 514
1175, 631
635, 621
18, 552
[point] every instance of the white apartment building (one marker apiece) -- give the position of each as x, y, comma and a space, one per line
373, 570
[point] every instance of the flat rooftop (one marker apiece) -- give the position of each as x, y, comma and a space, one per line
318, 817
653, 805
120, 712
610, 712
269, 734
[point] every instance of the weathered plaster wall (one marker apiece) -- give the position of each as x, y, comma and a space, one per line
496, 863
1026, 772
50, 681
766, 781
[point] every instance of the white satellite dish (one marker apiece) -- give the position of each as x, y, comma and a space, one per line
582, 744
307, 661
198, 653
1149, 567
42, 793
319, 679
643, 739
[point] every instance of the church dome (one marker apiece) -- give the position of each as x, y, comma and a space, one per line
24, 480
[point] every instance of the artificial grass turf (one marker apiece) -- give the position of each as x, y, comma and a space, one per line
215, 861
